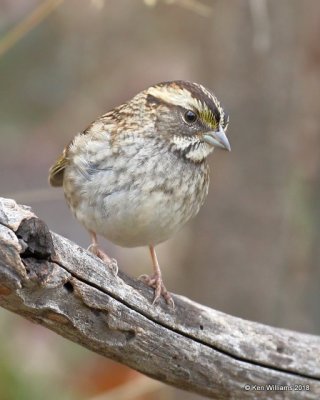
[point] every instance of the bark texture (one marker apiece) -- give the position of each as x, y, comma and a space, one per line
53, 282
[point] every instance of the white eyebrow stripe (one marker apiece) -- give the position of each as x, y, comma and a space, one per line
182, 98
170, 95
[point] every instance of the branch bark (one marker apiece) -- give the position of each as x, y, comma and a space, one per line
53, 282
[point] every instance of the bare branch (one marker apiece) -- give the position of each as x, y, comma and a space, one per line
55, 283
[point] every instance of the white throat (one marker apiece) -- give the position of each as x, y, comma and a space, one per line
191, 147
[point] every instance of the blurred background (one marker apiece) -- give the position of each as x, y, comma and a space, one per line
254, 249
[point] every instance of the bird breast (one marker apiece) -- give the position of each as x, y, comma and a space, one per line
136, 195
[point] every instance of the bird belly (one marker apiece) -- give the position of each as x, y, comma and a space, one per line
136, 219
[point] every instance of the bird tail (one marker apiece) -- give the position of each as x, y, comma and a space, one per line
56, 172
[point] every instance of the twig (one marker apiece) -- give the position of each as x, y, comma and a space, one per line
27, 24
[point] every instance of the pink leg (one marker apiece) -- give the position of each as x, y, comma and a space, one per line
155, 281
95, 249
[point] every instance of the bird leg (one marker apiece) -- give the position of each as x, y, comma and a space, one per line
95, 249
155, 281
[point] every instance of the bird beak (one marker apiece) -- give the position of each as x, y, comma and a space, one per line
218, 139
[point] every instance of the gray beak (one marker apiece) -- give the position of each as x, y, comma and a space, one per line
217, 139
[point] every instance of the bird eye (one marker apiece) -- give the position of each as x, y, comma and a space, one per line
190, 117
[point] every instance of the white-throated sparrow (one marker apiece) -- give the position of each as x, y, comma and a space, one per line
137, 174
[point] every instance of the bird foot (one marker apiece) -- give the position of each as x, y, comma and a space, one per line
155, 281
111, 262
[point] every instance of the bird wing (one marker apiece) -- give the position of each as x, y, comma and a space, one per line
56, 172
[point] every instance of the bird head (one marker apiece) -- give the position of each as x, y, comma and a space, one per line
189, 117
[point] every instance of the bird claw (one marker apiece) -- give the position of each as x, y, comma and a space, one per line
155, 281
113, 265
111, 262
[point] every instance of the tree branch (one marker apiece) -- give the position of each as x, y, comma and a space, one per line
53, 282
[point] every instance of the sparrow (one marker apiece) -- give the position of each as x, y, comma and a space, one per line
138, 173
